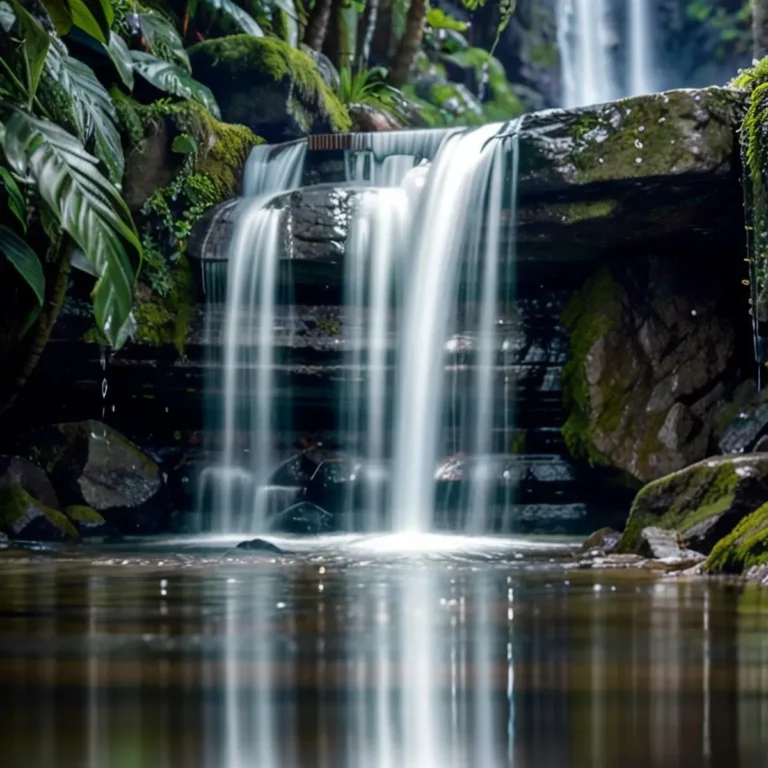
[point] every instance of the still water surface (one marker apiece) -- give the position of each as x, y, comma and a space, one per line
371, 652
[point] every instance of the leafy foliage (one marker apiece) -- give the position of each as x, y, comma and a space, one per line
24, 260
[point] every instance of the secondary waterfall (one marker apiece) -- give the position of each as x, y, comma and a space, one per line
245, 412
599, 63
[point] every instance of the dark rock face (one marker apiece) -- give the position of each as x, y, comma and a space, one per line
651, 353
702, 503
304, 518
745, 419
93, 465
15, 470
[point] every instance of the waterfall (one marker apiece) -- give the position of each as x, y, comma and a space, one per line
585, 33
641, 48
597, 66
245, 407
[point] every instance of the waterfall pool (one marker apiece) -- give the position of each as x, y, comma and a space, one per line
374, 651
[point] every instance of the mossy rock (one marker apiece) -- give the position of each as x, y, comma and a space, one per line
703, 503
87, 520
744, 548
93, 465
265, 84
24, 517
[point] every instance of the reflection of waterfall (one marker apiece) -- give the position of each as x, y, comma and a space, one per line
598, 63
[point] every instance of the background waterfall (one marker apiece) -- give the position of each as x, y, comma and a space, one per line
606, 50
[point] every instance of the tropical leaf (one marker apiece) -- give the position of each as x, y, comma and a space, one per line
24, 260
240, 18
173, 79
7, 17
92, 16
60, 14
290, 19
87, 206
439, 19
35, 47
16, 202
121, 58
93, 111
163, 40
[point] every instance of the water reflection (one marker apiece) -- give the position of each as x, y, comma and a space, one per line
328, 660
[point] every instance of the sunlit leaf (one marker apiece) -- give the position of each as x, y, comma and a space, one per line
60, 14
24, 260
92, 16
15, 198
439, 19
121, 58
88, 208
184, 144
173, 79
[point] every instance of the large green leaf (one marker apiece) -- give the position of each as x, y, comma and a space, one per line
121, 58
61, 15
290, 19
16, 202
240, 18
87, 206
34, 46
173, 79
24, 260
163, 40
92, 16
93, 111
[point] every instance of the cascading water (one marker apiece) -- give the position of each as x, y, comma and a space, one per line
597, 63
245, 414
641, 48
585, 33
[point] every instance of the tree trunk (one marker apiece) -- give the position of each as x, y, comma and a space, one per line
409, 44
317, 25
370, 18
54, 301
760, 27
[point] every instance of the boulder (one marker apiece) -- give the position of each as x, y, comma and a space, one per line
658, 543
650, 349
261, 545
746, 547
15, 470
701, 504
92, 465
744, 420
268, 86
24, 517
367, 119
604, 540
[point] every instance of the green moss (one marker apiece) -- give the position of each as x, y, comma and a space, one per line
271, 57
745, 547
519, 443
18, 510
588, 316
84, 516
696, 494
576, 212
129, 119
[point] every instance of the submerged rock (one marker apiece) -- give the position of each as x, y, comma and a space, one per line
268, 86
93, 465
261, 545
24, 517
701, 504
745, 548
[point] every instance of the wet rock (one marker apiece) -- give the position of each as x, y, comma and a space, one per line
15, 470
745, 420
604, 540
5, 542
702, 503
649, 350
368, 119
265, 84
746, 547
92, 465
658, 543
261, 545
24, 517
303, 518
684, 560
